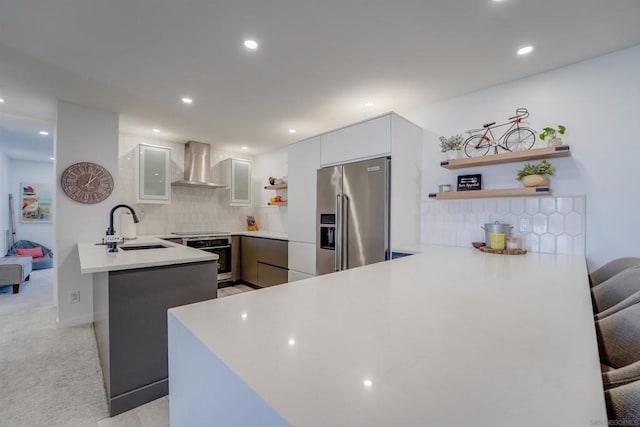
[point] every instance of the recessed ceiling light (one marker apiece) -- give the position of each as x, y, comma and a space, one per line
369, 104
43, 132
525, 50
292, 131
52, 158
367, 383
244, 147
187, 100
251, 44
154, 130
1, 100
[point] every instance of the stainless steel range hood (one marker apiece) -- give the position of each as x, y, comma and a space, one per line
197, 166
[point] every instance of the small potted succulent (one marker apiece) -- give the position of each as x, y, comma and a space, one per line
552, 133
535, 175
452, 146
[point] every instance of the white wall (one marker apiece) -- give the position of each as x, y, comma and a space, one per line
599, 102
191, 208
4, 203
24, 171
91, 135
274, 163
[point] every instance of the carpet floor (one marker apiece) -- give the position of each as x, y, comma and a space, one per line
52, 377
48, 376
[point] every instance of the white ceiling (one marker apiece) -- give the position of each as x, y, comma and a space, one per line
317, 63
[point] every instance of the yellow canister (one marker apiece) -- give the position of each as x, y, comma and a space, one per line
497, 240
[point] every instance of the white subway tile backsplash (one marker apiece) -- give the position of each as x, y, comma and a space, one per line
565, 204
490, 206
517, 206
548, 205
548, 243
539, 225
532, 242
556, 225
564, 244
533, 205
504, 205
573, 224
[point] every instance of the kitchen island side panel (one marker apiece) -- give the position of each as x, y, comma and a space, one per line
137, 310
205, 390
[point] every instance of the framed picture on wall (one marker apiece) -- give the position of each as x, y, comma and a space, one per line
36, 202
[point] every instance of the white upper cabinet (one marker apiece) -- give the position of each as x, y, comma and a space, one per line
360, 141
304, 161
153, 174
240, 182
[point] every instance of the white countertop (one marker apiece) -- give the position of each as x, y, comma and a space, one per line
264, 234
95, 258
449, 337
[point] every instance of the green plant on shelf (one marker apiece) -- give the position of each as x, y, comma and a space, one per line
453, 143
542, 168
552, 132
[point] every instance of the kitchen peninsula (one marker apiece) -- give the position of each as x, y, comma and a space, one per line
451, 336
132, 291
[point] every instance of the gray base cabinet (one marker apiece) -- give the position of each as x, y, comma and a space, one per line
130, 319
249, 259
264, 262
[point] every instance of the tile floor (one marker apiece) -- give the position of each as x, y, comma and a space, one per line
156, 413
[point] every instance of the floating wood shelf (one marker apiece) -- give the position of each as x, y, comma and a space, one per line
503, 192
282, 203
519, 156
276, 186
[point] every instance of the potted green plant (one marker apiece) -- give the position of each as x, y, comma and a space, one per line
552, 134
452, 146
535, 175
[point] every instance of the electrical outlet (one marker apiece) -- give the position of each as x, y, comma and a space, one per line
74, 297
524, 225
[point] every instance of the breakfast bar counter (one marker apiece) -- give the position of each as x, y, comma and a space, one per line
132, 290
448, 337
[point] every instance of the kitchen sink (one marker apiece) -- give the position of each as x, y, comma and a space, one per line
146, 246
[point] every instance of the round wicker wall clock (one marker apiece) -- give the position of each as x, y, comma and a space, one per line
87, 182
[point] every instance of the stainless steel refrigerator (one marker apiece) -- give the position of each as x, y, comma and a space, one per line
352, 219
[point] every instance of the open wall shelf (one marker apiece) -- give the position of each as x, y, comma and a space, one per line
520, 156
282, 203
503, 192
275, 187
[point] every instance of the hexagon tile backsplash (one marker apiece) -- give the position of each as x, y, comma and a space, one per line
555, 224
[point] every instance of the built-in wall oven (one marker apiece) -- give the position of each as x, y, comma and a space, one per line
218, 244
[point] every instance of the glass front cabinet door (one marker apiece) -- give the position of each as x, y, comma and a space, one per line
153, 177
240, 182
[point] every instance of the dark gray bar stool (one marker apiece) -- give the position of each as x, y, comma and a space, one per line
623, 404
619, 337
612, 268
627, 302
616, 289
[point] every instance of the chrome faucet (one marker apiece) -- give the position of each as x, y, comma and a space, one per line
112, 246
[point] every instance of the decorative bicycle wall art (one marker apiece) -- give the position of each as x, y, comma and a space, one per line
515, 138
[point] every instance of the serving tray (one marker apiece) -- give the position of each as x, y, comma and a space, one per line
487, 249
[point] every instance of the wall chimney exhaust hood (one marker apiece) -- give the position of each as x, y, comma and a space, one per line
197, 166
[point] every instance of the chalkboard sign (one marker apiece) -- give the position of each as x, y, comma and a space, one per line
469, 182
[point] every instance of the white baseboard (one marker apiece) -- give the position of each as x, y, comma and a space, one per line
76, 321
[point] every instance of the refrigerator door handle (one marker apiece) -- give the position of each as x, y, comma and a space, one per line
338, 236
344, 251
